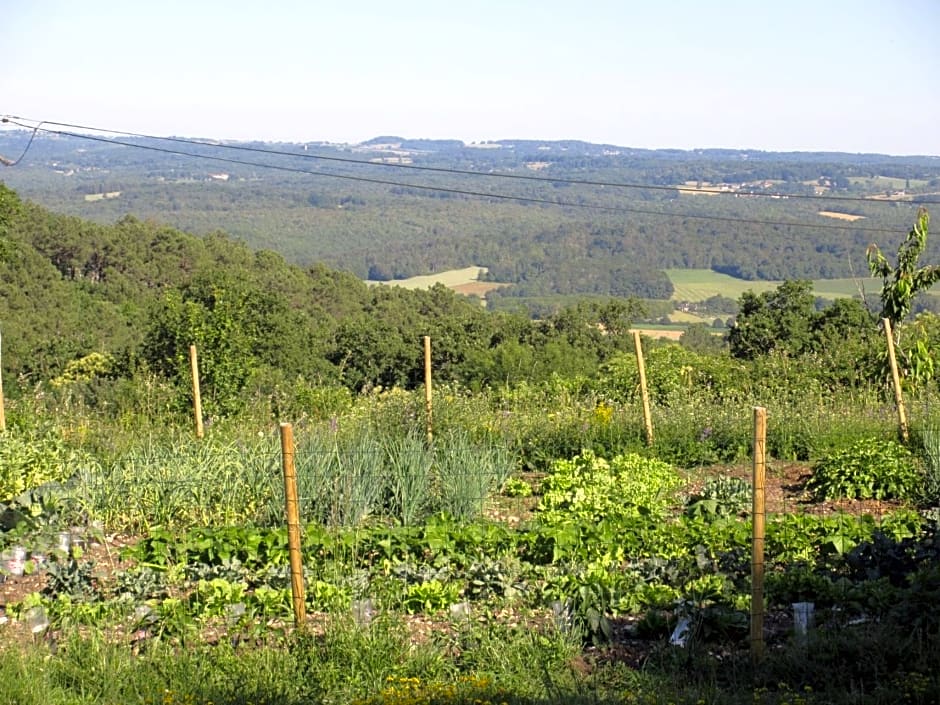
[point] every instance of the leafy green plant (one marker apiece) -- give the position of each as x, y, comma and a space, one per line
430, 596
31, 458
516, 487
869, 469
720, 497
72, 578
592, 488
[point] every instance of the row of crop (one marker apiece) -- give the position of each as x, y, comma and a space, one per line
612, 539
373, 460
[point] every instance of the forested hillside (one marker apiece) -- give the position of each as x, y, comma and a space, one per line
81, 299
393, 208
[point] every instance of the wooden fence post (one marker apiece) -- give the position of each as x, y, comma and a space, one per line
427, 385
644, 393
757, 541
896, 380
197, 398
293, 525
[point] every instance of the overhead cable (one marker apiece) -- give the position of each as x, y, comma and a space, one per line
457, 191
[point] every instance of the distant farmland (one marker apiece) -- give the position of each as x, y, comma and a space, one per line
463, 281
701, 284
689, 284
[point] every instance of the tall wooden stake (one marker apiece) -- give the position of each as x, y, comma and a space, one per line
427, 385
641, 366
197, 398
757, 542
3, 418
896, 380
291, 504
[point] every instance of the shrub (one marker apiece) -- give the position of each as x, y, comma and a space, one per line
31, 459
868, 469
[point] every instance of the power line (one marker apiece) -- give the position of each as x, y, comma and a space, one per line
462, 172
456, 191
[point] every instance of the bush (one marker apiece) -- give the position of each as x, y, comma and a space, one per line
31, 459
869, 469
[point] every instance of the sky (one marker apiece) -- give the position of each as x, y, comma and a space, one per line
800, 75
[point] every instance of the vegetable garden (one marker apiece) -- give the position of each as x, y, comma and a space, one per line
537, 551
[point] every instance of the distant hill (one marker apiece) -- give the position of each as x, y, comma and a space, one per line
360, 209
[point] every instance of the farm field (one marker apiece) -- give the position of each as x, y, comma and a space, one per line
700, 284
451, 278
690, 285
842, 216
464, 281
887, 182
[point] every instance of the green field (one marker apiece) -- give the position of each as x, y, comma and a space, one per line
700, 284
450, 278
888, 182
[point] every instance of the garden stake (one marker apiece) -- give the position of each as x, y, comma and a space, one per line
197, 399
293, 524
647, 418
427, 384
896, 380
757, 543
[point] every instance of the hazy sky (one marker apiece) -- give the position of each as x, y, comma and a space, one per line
846, 75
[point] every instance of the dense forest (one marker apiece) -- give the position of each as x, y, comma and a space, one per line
359, 208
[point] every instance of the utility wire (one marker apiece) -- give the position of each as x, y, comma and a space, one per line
462, 192
14, 162
463, 172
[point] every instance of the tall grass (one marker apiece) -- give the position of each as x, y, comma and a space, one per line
928, 433
343, 664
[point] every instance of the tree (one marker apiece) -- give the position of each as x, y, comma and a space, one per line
901, 283
699, 338
779, 320
238, 329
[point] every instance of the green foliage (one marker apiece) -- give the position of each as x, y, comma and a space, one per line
902, 282
235, 327
673, 374
720, 497
869, 469
30, 458
85, 369
836, 345
591, 488
775, 320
